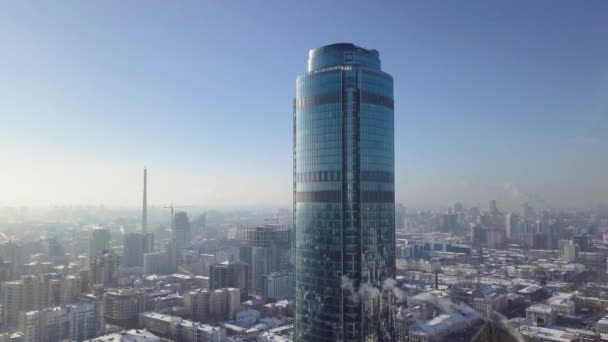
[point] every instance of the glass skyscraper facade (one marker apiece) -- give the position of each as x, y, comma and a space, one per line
344, 196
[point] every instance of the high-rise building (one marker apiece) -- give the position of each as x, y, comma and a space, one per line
230, 274
568, 250
276, 239
220, 304
85, 320
104, 269
196, 304
121, 307
170, 256
6, 271
72, 289
493, 208
448, 223
583, 242
100, 241
181, 231
344, 194
11, 298
12, 252
72, 322
135, 246
259, 261
55, 251
224, 303
32, 292
49, 324
279, 286
152, 263
206, 261
85, 279
199, 225
511, 226
216, 305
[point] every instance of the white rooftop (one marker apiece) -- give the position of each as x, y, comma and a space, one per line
133, 335
540, 308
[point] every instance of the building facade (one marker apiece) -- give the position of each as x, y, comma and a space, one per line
49, 324
122, 307
230, 274
181, 231
135, 246
344, 200
279, 286
104, 269
258, 259
11, 252
35, 292
99, 242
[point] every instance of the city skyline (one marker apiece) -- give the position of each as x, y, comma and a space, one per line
436, 172
485, 109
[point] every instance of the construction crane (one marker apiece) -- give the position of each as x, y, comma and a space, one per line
172, 207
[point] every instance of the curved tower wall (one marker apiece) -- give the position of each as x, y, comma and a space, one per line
344, 195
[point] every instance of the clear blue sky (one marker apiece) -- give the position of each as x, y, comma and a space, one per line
503, 100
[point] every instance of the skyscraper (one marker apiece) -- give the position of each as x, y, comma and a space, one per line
493, 208
181, 230
344, 199
100, 241
511, 226
12, 252
258, 259
152, 263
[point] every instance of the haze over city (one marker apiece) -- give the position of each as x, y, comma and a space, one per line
493, 100
312, 171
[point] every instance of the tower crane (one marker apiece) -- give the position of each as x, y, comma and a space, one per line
173, 206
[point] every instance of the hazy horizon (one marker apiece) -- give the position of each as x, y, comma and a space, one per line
491, 101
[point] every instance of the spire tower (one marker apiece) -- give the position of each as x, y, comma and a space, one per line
144, 214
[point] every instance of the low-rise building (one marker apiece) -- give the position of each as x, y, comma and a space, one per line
438, 328
178, 329
594, 260
541, 314
133, 335
247, 318
159, 324
562, 304
602, 325
487, 304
